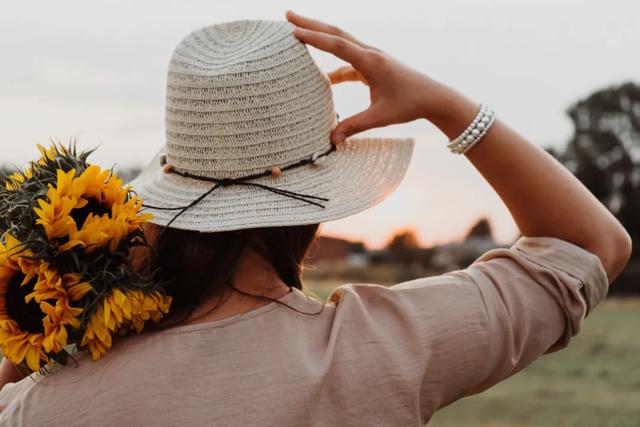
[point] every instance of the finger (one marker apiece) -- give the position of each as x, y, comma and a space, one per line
346, 74
338, 46
315, 25
364, 120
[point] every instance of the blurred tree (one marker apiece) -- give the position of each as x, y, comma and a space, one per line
404, 250
481, 229
357, 248
402, 241
604, 154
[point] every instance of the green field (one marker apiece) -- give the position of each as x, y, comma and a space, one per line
595, 382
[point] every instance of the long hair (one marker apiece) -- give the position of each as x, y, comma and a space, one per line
197, 266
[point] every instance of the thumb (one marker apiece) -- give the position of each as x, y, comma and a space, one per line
364, 120
346, 74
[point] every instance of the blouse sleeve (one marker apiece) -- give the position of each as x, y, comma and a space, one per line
460, 333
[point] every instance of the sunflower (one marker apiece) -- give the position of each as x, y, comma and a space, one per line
30, 327
17, 345
54, 323
89, 210
66, 231
119, 312
50, 285
17, 179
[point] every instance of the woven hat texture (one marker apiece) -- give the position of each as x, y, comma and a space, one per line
243, 97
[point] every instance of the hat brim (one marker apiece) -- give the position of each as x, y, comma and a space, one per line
359, 174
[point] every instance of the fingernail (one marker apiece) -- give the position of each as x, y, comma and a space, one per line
298, 32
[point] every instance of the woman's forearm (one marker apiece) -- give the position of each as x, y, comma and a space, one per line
544, 198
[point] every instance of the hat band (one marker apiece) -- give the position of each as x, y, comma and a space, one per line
245, 180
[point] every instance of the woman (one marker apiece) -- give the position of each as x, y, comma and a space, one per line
243, 345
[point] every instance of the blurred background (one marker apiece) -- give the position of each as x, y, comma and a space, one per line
565, 74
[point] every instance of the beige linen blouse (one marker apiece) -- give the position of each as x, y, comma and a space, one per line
375, 356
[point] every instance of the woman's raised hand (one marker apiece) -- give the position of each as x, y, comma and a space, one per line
398, 93
543, 197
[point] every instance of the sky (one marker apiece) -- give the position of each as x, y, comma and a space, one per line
96, 70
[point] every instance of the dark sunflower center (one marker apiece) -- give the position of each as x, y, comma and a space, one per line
80, 215
29, 316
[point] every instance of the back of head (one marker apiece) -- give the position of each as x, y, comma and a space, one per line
200, 266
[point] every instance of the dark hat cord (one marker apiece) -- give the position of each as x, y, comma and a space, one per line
244, 180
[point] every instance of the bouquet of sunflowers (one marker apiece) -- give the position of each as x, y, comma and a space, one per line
66, 280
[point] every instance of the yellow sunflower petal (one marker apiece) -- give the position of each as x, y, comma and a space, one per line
79, 290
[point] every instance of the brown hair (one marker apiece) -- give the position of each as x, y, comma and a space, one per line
197, 266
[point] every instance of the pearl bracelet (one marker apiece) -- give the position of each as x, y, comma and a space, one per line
474, 133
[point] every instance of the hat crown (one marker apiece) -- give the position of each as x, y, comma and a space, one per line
242, 97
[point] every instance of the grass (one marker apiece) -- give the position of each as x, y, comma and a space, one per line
595, 382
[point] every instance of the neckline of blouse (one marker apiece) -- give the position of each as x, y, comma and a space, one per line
296, 299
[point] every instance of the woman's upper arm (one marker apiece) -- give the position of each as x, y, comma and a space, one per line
462, 332
536, 294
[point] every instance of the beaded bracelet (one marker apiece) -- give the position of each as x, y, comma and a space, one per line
474, 133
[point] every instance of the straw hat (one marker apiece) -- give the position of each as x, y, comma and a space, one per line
246, 98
